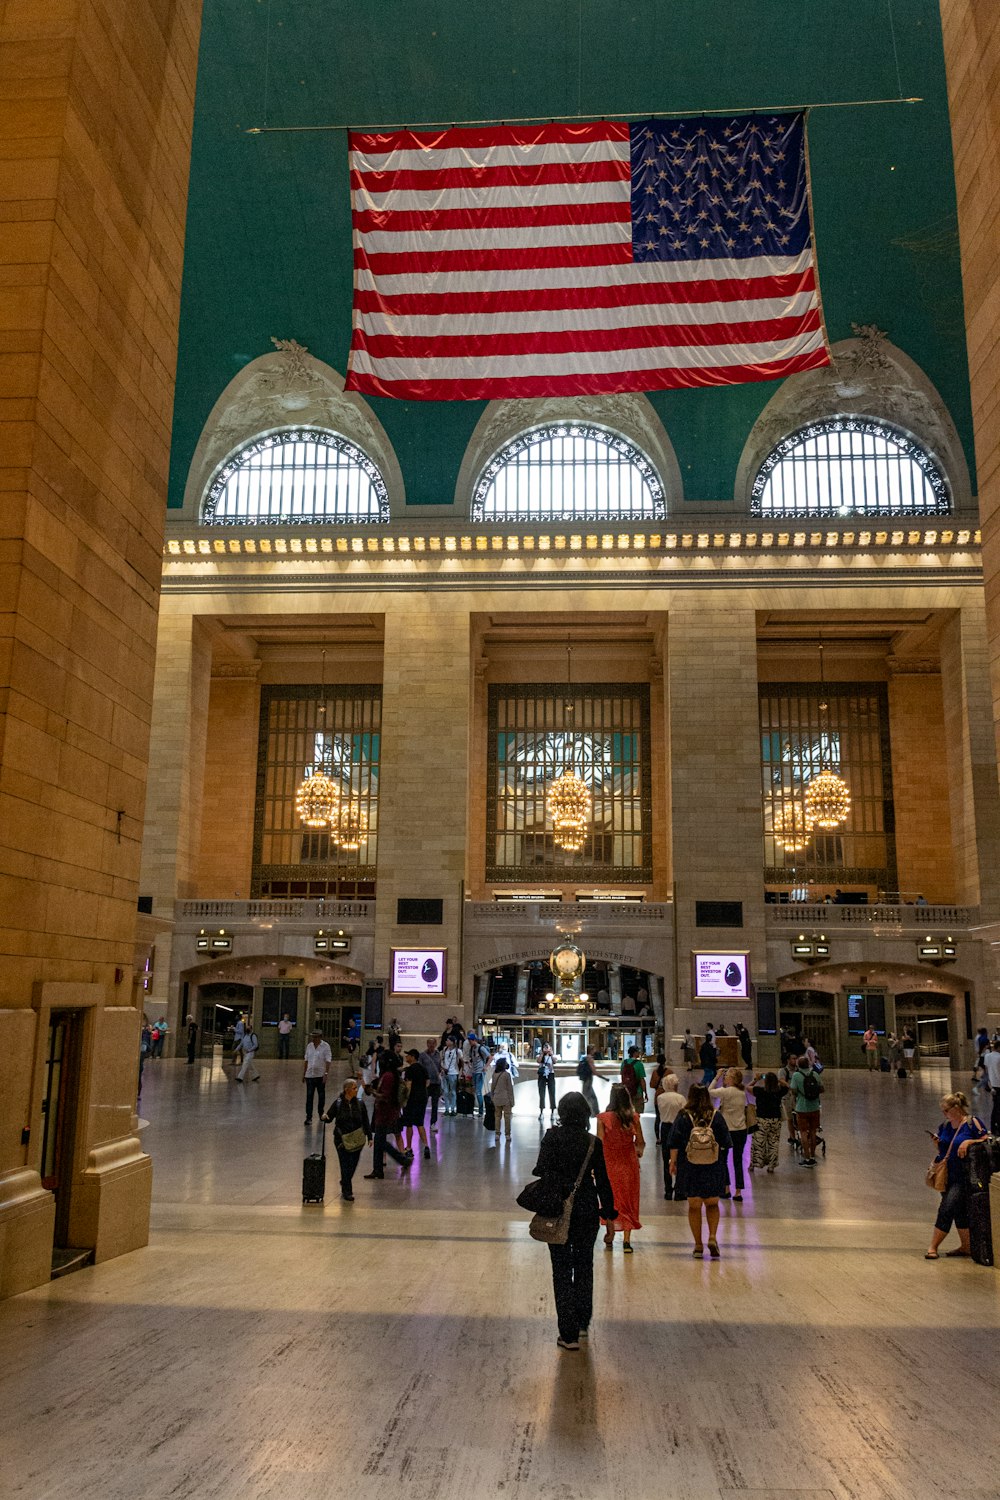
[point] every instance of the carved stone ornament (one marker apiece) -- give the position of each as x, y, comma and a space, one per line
868, 380
287, 389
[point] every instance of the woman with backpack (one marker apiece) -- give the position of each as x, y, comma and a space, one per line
698, 1142
807, 1089
620, 1134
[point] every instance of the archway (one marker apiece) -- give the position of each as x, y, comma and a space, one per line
512, 1004
884, 995
309, 991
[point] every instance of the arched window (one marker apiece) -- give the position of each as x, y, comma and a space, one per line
570, 471
848, 466
299, 475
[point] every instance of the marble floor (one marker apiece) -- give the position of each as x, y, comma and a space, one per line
404, 1345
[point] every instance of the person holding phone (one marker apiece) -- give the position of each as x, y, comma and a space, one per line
953, 1139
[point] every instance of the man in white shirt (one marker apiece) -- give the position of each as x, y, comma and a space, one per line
669, 1104
318, 1061
991, 1065
248, 1050
285, 1028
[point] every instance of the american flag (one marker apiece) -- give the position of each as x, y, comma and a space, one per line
563, 260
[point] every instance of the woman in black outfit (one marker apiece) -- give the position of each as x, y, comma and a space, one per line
349, 1115
415, 1108
768, 1091
560, 1157
546, 1080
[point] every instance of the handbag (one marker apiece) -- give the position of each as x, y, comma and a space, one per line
554, 1229
936, 1176
354, 1140
751, 1118
540, 1197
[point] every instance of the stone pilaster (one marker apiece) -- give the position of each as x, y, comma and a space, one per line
423, 793
972, 763
715, 786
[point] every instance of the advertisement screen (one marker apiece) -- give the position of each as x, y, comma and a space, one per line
418, 971
720, 976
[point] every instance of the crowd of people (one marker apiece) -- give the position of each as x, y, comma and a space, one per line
392, 1100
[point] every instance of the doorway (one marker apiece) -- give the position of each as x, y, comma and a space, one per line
809, 1015
928, 1016
337, 1013
219, 1008
59, 1113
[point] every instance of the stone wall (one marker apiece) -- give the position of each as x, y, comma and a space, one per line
96, 103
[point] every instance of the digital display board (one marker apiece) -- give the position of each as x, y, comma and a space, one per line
419, 971
721, 976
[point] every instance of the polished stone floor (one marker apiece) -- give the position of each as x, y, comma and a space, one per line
405, 1345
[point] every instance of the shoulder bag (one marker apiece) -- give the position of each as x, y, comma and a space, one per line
936, 1176
554, 1230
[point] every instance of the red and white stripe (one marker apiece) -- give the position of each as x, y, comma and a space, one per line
498, 263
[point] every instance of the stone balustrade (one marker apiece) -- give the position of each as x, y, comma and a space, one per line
897, 917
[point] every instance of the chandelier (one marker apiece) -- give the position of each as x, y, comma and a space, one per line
568, 801
791, 826
349, 828
827, 795
317, 798
828, 800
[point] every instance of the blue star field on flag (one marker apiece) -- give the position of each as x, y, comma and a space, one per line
712, 187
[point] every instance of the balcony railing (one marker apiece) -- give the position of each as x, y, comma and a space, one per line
886, 916
255, 912
570, 916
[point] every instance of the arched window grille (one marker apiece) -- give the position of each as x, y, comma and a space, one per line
299, 475
849, 466
569, 471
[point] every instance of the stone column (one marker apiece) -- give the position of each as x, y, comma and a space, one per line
423, 789
171, 843
971, 751
97, 103
715, 786
971, 35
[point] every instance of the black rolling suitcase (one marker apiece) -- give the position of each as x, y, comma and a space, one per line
979, 1165
314, 1174
489, 1114
465, 1101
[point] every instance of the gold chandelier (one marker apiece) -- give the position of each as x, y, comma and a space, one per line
350, 827
568, 801
791, 826
828, 800
317, 798
827, 795
317, 801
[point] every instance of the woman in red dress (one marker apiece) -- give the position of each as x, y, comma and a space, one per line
619, 1129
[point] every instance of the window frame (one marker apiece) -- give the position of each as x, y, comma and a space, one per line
909, 446
324, 437
585, 430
